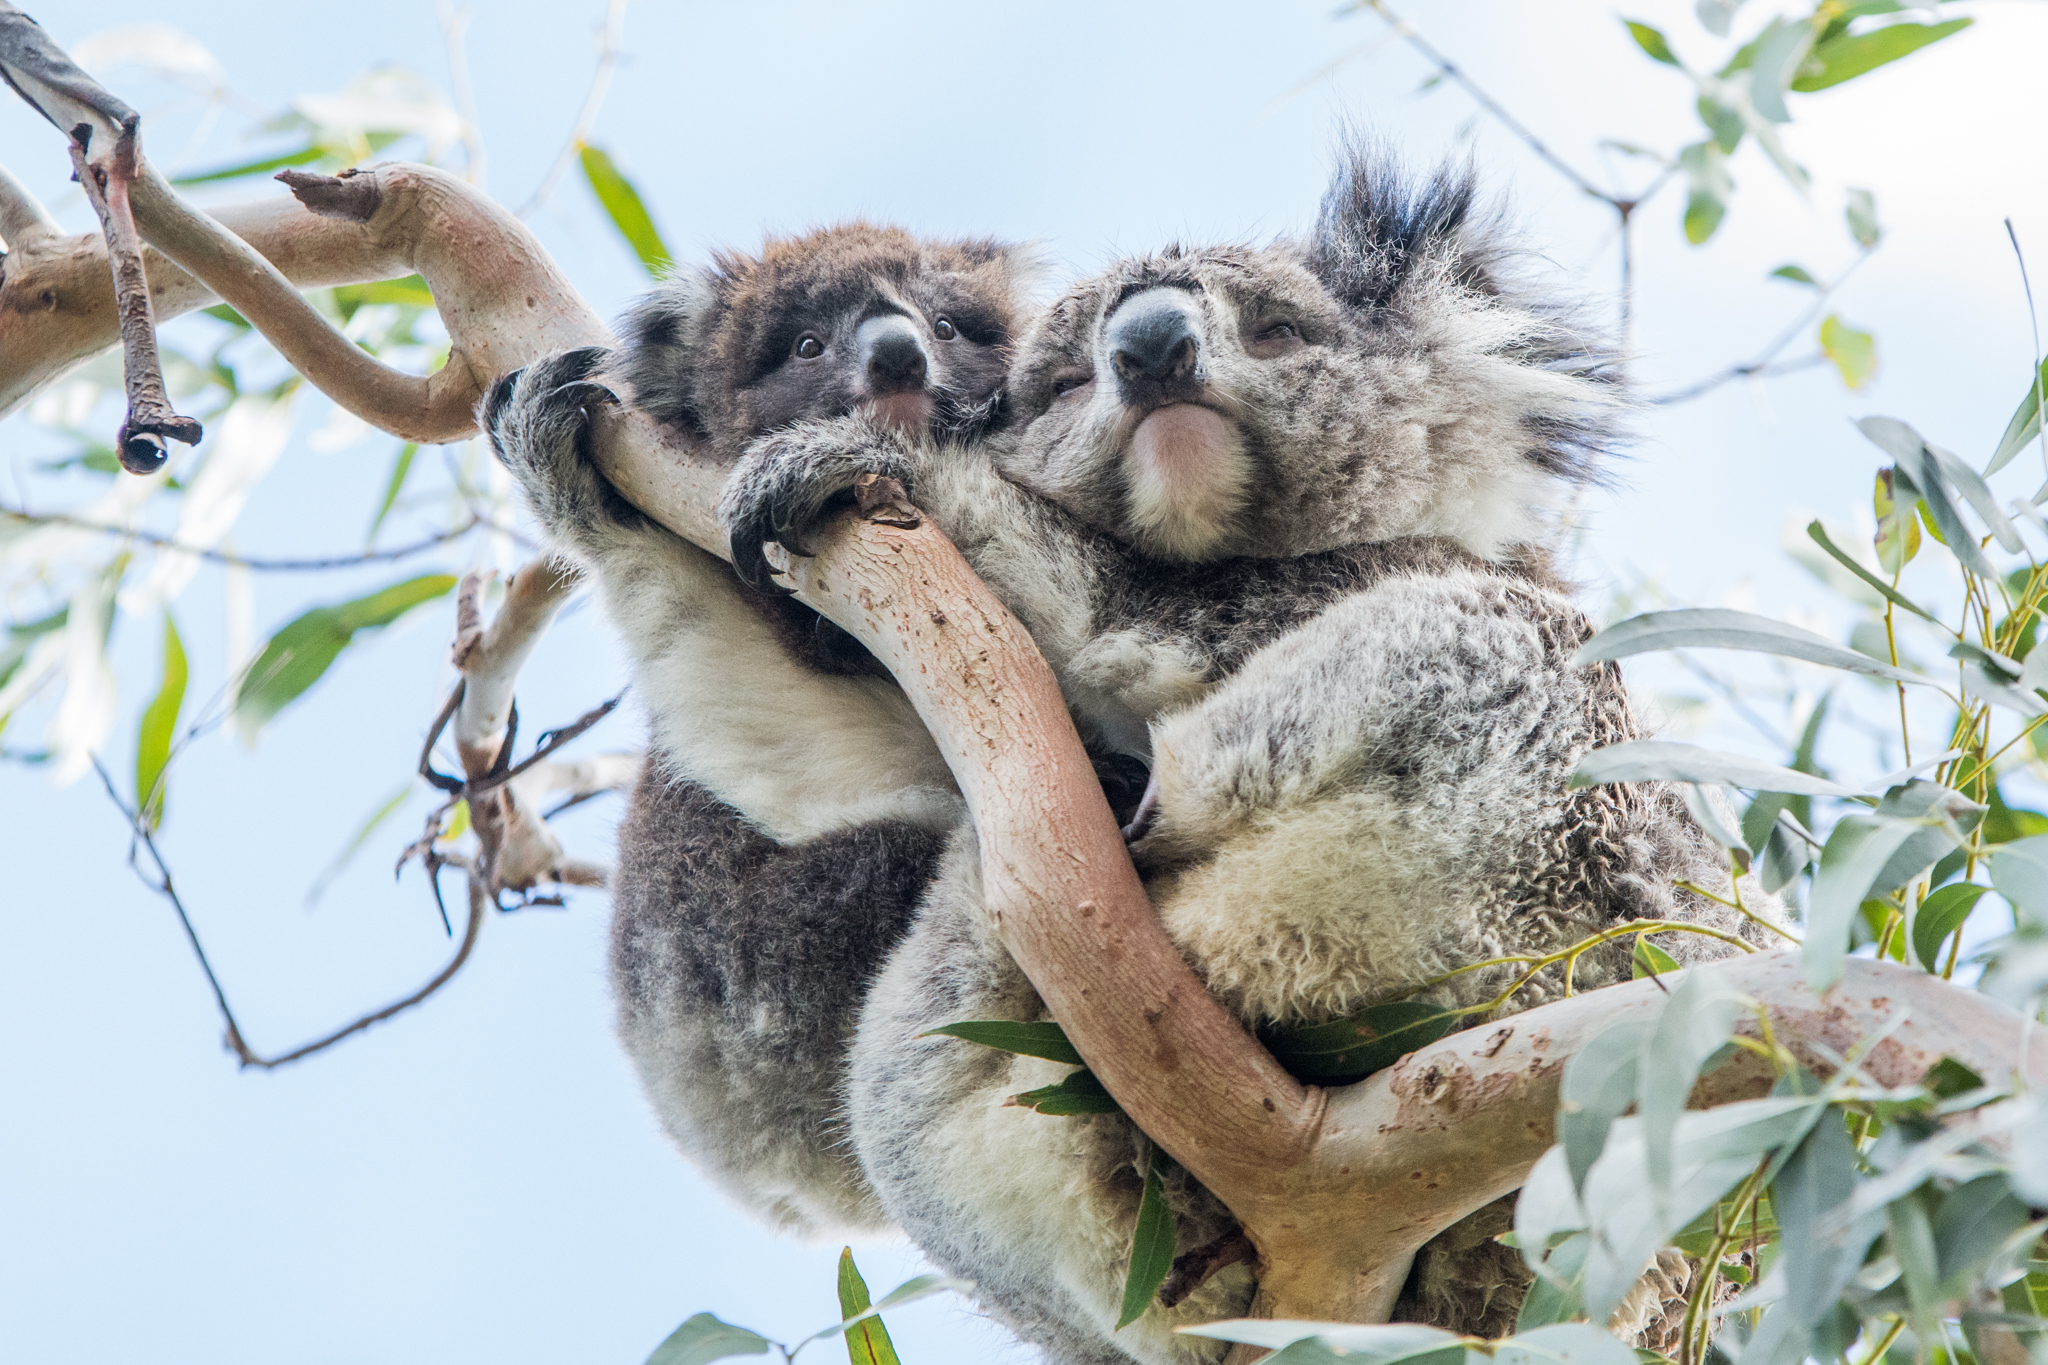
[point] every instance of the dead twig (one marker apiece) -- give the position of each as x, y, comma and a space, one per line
257, 563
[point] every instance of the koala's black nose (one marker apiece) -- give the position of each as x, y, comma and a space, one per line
1153, 339
891, 354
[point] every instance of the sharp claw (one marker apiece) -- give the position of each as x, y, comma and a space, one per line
1147, 814
499, 395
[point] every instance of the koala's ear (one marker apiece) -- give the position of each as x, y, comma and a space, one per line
663, 336
1381, 225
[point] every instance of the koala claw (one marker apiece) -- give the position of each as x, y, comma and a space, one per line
1147, 814
791, 483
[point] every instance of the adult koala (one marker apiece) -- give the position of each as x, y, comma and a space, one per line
1271, 514
762, 880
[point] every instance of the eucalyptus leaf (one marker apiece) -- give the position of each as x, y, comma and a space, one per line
1152, 1243
1647, 959
1563, 1343
1819, 1251
1599, 1085
1940, 915
1720, 628
1853, 350
1691, 1027
2023, 428
1970, 1227
1047, 1040
1917, 467
1708, 188
298, 655
1556, 1296
1776, 61
703, 1338
1373, 1345
1862, 855
1346, 1050
1710, 808
1715, 16
622, 204
154, 736
1796, 274
2020, 872
1882, 588
1079, 1093
1859, 211
1911, 1240
867, 1340
1848, 56
910, 1291
1655, 760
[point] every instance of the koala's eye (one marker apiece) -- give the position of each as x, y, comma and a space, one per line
809, 348
943, 329
1275, 336
1066, 381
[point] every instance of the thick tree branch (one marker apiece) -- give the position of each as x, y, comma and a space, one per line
23, 219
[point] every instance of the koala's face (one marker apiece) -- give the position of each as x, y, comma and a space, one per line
1375, 381
850, 318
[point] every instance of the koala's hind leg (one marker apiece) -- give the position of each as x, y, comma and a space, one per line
1038, 1211
739, 966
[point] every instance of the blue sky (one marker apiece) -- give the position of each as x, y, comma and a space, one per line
481, 1181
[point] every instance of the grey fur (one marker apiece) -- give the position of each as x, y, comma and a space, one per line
761, 884
1348, 668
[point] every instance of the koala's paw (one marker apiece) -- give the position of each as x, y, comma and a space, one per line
791, 482
538, 421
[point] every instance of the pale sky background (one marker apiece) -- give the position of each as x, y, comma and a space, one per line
481, 1181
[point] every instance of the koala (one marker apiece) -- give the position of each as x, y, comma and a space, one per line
1272, 515
792, 805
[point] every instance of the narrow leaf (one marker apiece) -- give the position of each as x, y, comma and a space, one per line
704, 1339
1658, 760
1796, 274
1347, 1050
1152, 1244
1650, 960
1651, 41
1771, 70
400, 468
1821, 1251
385, 809
1564, 1343
1047, 1040
1857, 864
867, 1340
302, 157
298, 655
1859, 210
1719, 628
1708, 188
2024, 426
1883, 589
1940, 915
159, 728
622, 203
1918, 468
1079, 1093
1851, 55
910, 1291
1599, 1084
2020, 872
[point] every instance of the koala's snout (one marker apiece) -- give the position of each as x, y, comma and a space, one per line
891, 355
1155, 344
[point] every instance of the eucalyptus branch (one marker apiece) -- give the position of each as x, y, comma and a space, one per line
1763, 363
23, 219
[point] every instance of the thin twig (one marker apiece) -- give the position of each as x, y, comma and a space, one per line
248, 1057
245, 561
454, 29
608, 39
1763, 364
2034, 318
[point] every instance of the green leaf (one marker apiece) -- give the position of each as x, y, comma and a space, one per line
1777, 58
1949, 1078
1854, 352
1047, 1040
1346, 1050
1918, 466
1851, 55
1883, 589
264, 166
704, 1339
1863, 858
1079, 1093
1375, 1345
400, 467
1657, 760
158, 729
1898, 530
1940, 915
298, 655
1650, 960
1152, 1243
384, 811
1709, 186
2020, 872
410, 292
2024, 426
1820, 1250
622, 203
1719, 628
1651, 41
223, 313
1796, 274
1715, 16
1860, 212
867, 1340
1724, 123
1557, 1295
1599, 1084
910, 1291
1563, 1343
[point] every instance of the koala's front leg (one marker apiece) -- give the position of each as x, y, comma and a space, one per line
538, 421
791, 482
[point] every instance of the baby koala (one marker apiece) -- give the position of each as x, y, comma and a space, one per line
1271, 515
743, 935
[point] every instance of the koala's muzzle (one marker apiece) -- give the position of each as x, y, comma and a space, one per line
1155, 343
895, 373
